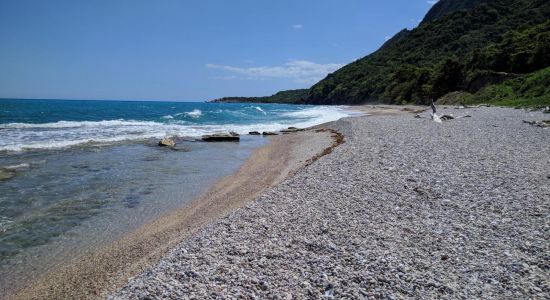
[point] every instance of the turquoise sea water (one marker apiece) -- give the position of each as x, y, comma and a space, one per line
42, 124
86, 172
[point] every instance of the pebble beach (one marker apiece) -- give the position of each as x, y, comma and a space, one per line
405, 208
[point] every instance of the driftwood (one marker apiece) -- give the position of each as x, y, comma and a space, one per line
473, 106
435, 117
542, 124
441, 118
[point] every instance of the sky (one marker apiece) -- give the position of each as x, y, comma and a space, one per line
186, 50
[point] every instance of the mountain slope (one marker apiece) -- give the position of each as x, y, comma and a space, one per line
446, 53
444, 7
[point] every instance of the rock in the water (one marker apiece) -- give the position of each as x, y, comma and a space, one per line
254, 133
270, 133
6, 174
167, 142
447, 117
291, 129
221, 137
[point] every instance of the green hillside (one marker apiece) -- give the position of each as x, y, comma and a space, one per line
530, 90
442, 8
460, 50
480, 48
290, 96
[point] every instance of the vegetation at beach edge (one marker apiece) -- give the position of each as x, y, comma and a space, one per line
532, 90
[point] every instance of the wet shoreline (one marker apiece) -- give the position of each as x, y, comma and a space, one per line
66, 203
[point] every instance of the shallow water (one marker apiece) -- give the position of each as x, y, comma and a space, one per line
88, 172
68, 202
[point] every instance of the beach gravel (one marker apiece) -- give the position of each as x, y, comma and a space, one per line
405, 208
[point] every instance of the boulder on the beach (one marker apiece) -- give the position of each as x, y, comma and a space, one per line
222, 137
270, 133
254, 133
6, 174
167, 142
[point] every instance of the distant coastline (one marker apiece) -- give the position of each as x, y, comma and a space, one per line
284, 97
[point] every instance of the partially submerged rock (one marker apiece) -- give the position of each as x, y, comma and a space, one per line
270, 133
221, 137
254, 133
167, 142
291, 130
6, 174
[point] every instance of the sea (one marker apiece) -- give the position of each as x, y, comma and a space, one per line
76, 175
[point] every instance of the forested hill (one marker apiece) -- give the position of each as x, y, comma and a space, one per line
464, 50
485, 49
444, 7
290, 96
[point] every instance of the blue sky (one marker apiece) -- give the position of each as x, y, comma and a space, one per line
186, 50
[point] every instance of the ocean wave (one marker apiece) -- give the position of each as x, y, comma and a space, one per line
15, 167
77, 124
195, 113
66, 143
259, 109
63, 134
318, 112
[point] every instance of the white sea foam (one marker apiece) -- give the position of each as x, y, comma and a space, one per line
195, 113
75, 124
15, 167
167, 117
23, 136
260, 110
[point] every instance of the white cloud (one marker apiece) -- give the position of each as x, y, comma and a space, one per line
301, 71
298, 26
432, 2
231, 77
